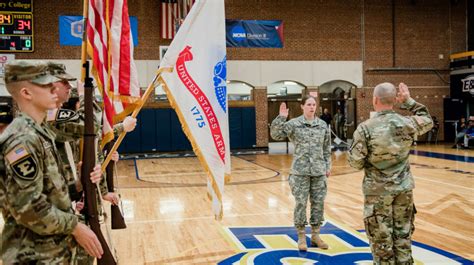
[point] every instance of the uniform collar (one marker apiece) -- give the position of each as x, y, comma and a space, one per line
312, 123
29, 120
383, 112
38, 127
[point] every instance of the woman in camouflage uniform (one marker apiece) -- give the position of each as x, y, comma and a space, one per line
310, 168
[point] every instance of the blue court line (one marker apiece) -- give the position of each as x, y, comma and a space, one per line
460, 158
136, 168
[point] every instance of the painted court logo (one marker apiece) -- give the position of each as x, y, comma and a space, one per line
277, 245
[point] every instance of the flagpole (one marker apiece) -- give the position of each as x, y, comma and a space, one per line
84, 38
142, 101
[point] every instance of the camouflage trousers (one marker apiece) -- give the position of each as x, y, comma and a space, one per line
389, 224
314, 188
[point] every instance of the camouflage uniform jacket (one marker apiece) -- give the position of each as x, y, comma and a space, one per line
382, 145
36, 205
68, 127
117, 129
312, 142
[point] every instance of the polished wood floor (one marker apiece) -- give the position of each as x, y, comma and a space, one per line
170, 222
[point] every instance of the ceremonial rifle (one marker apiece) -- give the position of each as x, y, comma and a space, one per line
88, 162
118, 222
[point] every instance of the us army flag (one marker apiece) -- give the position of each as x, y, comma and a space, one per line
193, 73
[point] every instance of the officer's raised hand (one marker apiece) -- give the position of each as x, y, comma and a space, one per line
283, 110
403, 93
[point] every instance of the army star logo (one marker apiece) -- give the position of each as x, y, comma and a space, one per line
25, 168
64, 115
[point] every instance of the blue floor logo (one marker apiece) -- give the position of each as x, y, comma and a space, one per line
277, 245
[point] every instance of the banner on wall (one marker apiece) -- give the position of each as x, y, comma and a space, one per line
72, 27
254, 33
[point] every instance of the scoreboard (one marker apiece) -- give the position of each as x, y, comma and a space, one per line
16, 26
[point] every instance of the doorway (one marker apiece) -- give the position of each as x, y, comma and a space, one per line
338, 97
290, 93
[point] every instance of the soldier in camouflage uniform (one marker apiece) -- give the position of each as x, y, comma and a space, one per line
69, 128
127, 125
310, 168
381, 147
40, 226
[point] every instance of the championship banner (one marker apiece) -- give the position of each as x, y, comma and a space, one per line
193, 73
71, 29
254, 33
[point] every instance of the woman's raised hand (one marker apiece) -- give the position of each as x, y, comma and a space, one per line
283, 110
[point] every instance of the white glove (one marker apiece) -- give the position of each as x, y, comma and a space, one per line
129, 124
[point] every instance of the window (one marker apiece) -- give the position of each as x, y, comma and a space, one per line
237, 90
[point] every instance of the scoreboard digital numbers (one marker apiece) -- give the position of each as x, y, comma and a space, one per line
16, 26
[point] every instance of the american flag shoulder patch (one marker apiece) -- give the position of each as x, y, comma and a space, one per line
51, 115
16, 154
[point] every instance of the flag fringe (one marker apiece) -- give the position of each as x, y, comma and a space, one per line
106, 138
227, 178
196, 149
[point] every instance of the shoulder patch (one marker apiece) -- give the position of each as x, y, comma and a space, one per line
16, 154
25, 168
51, 115
64, 114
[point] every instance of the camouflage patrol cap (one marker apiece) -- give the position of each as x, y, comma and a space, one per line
34, 72
59, 71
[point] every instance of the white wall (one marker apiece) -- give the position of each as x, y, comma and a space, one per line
308, 73
146, 69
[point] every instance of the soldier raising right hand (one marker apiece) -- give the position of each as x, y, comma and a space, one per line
310, 168
381, 147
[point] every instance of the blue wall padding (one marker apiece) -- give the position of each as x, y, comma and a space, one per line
160, 130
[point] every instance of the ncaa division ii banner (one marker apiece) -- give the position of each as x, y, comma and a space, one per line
254, 33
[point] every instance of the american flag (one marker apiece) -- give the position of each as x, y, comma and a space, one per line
110, 46
173, 13
16, 154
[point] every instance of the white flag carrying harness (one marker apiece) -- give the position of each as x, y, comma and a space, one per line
196, 88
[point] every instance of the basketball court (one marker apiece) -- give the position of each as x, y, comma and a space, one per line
174, 225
